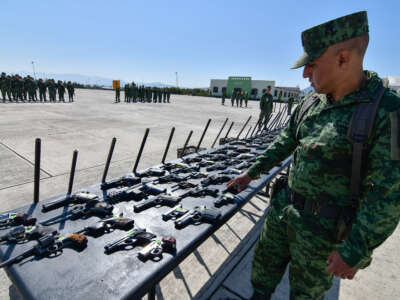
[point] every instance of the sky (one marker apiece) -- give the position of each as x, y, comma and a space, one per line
148, 41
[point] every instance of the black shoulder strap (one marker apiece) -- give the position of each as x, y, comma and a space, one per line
304, 108
359, 132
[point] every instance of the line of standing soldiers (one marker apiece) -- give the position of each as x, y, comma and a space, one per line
237, 96
16, 88
134, 93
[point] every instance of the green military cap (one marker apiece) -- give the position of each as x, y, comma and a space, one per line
318, 38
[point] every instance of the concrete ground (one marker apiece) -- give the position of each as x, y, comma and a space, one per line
220, 267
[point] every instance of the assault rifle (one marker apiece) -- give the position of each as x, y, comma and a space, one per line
92, 208
50, 245
134, 237
198, 215
23, 233
108, 225
77, 198
15, 219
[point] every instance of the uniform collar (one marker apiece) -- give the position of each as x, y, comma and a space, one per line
363, 94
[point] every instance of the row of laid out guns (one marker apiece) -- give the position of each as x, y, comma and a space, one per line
237, 153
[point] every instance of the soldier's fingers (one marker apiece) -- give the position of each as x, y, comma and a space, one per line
231, 182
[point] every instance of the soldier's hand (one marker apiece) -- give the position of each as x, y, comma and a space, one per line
339, 268
239, 183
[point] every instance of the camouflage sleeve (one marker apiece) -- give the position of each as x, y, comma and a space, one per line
280, 148
380, 211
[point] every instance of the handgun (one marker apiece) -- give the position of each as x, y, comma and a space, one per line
156, 247
227, 198
152, 172
124, 181
151, 189
157, 201
125, 195
133, 237
198, 215
77, 198
174, 213
15, 219
50, 245
23, 233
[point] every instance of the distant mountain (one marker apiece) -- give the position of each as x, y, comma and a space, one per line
87, 79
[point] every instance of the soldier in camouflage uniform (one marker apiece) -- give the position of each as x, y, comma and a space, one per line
317, 223
246, 98
127, 91
265, 107
20, 88
168, 95
159, 90
223, 97
71, 91
42, 90
14, 88
52, 90
290, 105
3, 85
233, 97
61, 91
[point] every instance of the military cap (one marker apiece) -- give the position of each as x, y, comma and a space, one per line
318, 38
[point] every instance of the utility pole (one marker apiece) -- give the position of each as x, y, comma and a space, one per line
33, 67
176, 75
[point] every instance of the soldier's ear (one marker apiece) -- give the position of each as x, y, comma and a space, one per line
343, 59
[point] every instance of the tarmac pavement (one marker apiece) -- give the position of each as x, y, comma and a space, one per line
220, 267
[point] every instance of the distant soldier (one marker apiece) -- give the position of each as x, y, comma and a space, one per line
133, 92
265, 107
13, 85
20, 88
61, 91
52, 90
246, 98
238, 96
233, 97
117, 95
290, 104
3, 86
164, 95
159, 95
223, 97
25, 88
42, 90
241, 98
28, 86
71, 91
168, 95
154, 94
126, 90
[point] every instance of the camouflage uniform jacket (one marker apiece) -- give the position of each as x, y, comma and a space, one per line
323, 158
265, 101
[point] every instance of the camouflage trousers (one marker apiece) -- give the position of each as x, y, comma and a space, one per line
301, 240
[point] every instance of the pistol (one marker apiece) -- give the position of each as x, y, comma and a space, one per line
23, 233
155, 249
152, 172
225, 199
134, 237
15, 219
108, 225
198, 215
124, 181
77, 198
158, 201
125, 195
174, 213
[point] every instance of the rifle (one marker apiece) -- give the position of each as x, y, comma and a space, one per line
135, 236
107, 225
158, 201
23, 233
50, 245
155, 249
227, 198
125, 195
127, 180
198, 215
174, 213
15, 219
93, 207
77, 198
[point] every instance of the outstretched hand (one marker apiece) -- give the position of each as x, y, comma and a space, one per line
339, 268
239, 183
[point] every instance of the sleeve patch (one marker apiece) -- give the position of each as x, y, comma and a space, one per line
395, 135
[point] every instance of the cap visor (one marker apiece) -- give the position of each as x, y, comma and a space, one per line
302, 61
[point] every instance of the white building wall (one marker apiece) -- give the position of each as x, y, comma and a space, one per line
217, 84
